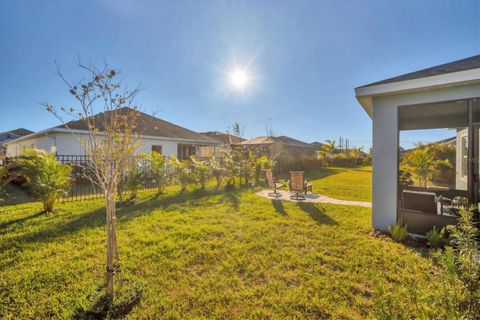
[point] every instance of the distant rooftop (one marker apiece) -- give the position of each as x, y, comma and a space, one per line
226, 138
455, 66
283, 140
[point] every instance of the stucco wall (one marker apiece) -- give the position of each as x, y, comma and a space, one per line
68, 144
385, 145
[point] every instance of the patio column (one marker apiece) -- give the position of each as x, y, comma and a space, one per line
385, 162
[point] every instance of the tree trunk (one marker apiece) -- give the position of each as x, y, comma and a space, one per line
112, 251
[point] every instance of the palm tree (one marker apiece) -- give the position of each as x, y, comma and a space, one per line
48, 178
422, 163
329, 145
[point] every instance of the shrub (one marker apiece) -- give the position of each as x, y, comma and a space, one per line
47, 178
405, 178
398, 231
135, 176
182, 172
3, 179
436, 239
217, 171
201, 171
159, 170
261, 163
461, 266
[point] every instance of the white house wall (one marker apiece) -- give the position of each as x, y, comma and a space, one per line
68, 144
385, 145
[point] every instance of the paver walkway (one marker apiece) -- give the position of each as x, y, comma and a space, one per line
315, 198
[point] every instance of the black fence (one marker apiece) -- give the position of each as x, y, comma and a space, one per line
82, 187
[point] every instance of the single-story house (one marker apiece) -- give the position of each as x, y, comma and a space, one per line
225, 138
155, 135
278, 146
441, 97
9, 136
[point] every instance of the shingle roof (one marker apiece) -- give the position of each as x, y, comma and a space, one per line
146, 125
223, 137
455, 66
19, 132
284, 140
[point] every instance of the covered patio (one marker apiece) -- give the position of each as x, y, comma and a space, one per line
425, 184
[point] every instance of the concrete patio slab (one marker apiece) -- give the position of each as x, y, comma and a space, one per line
315, 198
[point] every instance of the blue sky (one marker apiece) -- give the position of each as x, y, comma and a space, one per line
305, 58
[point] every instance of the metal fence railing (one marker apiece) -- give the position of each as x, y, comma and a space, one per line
82, 187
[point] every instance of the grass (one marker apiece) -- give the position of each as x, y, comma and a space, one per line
343, 183
207, 254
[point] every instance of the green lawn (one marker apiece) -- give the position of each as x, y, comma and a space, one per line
343, 183
203, 255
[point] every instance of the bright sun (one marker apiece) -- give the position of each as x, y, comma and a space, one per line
239, 79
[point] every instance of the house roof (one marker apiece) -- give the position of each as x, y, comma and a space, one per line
13, 134
146, 125
226, 138
283, 140
461, 72
19, 132
317, 145
455, 66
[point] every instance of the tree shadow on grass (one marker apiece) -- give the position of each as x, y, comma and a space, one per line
317, 214
96, 218
231, 195
278, 206
4, 226
321, 173
101, 309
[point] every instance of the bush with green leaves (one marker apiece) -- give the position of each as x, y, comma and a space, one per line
436, 238
398, 231
231, 166
201, 171
217, 170
158, 167
48, 179
460, 263
135, 176
261, 163
182, 173
3, 179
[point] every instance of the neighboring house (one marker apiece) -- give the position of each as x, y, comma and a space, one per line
442, 97
281, 145
156, 135
318, 147
225, 138
7, 136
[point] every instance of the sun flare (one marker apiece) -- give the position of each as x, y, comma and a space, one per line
239, 79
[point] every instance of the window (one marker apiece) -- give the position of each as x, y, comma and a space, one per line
185, 151
157, 149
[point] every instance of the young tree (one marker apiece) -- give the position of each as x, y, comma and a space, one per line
106, 110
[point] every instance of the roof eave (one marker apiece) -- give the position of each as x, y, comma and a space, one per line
365, 94
65, 130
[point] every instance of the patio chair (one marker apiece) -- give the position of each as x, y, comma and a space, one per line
273, 183
423, 201
298, 185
